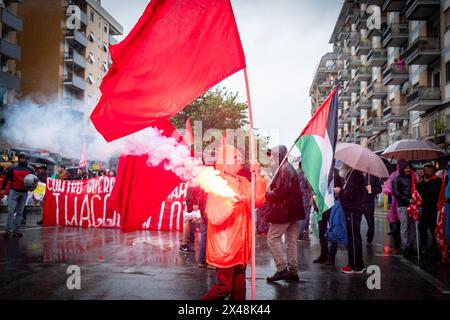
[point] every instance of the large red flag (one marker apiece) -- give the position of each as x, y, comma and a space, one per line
440, 224
134, 195
177, 51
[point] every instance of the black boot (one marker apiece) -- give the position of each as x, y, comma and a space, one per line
279, 275
331, 261
17, 234
7, 235
293, 277
321, 259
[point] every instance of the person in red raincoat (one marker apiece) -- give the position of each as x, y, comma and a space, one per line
229, 234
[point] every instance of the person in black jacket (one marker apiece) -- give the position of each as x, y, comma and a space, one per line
429, 189
402, 190
18, 195
286, 200
352, 196
373, 188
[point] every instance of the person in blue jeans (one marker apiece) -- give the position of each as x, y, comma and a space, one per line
17, 197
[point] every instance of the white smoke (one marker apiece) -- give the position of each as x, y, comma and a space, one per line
56, 129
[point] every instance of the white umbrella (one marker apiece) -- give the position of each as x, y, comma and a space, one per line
362, 159
411, 149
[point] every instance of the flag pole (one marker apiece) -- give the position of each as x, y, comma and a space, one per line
253, 181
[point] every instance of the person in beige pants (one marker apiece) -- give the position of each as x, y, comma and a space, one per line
284, 208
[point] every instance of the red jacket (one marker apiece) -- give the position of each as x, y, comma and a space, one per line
230, 227
15, 175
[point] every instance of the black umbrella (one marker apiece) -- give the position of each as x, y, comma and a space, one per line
41, 159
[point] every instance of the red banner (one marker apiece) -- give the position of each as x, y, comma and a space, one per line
84, 204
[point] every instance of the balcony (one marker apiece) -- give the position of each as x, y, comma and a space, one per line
396, 35
74, 82
423, 98
393, 5
361, 21
9, 81
376, 90
363, 47
10, 21
344, 53
353, 87
421, 9
423, 51
354, 113
76, 38
352, 38
378, 3
377, 57
344, 96
10, 50
395, 75
362, 132
325, 87
362, 102
352, 63
363, 73
344, 75
395, 113
72, 57
375, 125
343, 119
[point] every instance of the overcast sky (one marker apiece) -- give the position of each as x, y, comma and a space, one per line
283, 41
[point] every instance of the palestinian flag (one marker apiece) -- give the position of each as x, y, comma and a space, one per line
317, 144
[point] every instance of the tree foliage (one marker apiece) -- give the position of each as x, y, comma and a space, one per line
217, 109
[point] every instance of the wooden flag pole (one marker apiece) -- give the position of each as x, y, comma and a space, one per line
252, 161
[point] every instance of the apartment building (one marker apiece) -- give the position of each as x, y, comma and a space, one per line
10, 53
65, 52
396, 66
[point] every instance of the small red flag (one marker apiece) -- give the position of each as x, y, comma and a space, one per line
176, 52
440, 224
413, 209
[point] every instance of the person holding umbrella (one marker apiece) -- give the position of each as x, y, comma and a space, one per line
402, 190
356, 161
352, 197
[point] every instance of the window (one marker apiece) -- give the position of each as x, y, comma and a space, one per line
105, 47
105, 66
447, 19
91, 37
437, 79
92, 16
91, 79
447, 71
91, 58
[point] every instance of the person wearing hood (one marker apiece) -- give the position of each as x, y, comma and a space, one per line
402, 191
352, 196
429, 189
373, 188
286, 202
18, 195
229, 233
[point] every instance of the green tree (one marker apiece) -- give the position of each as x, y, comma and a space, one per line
217, 109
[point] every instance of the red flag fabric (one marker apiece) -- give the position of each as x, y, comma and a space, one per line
131, 196
440, 224
176, 52
413, 209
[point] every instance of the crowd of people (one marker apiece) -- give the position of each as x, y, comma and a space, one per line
285, 203
284, 211
17, 196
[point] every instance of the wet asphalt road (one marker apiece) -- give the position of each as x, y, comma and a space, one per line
148, 265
